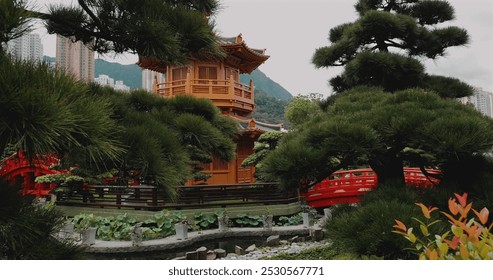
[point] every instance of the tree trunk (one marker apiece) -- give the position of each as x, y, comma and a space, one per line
388, 169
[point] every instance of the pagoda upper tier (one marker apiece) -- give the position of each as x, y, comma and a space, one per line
218, 81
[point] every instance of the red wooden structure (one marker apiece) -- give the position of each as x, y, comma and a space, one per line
219, 81
348, 186
19, 169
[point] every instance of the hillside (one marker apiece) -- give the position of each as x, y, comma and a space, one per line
269, 109
265, 84
270, 97
131, 74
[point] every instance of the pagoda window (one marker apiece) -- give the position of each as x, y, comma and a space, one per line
179, 73
219, 164
232, 71
207, 73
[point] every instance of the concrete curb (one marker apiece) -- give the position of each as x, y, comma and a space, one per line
171, 242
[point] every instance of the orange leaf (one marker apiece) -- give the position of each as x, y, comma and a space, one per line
462, 199
400, 225
456, 239
464, 253
483, 215
452, 206
472, 231
432, 255
466, 210
452, 219
424, 209
451, 244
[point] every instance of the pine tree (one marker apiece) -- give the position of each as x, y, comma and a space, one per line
386, 112
368, 126
382, 47
165, 31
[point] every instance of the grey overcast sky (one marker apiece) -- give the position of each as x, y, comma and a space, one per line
291, 30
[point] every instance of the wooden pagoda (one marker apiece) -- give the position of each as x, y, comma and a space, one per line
219, 81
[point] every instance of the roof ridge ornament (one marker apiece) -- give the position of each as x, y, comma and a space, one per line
239, 39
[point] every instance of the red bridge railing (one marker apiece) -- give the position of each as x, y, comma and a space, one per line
348, 186
341, 187
19, 169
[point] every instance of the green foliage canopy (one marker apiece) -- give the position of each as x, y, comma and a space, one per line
44, 111
166, 139
383, 46
370, 126
165, 31
302, 108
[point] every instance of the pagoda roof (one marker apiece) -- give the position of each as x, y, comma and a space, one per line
247, 125
238, 55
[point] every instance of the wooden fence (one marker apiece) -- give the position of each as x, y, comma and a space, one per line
198, 196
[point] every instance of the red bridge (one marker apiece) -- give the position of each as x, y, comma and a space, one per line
19, 169
341, 187
348, 186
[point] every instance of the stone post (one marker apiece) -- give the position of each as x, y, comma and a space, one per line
181, 230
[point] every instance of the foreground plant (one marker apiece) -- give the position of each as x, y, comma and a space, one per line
469, 237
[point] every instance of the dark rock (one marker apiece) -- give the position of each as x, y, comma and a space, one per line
283, 242
294, 239
211, 255
250, 248
220, 253
239, 251
316, 234
272, 241
202, 253
192, 255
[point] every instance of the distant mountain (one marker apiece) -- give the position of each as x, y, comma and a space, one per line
270, 97
269, 109
48, 59
265, 84
131, 74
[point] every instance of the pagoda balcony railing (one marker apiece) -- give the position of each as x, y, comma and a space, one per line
227, 93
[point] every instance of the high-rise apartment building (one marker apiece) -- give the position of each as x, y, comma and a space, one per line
481, 100
27, 47
75, 58
106, 80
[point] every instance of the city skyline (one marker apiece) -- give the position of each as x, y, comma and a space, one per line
27, 47
292, 30
75, 58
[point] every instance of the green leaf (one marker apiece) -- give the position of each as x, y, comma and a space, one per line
424, 230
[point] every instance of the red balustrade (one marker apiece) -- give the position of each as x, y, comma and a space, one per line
349, 186
19, 169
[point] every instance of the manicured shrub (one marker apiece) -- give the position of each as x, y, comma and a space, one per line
391, 191
28, 229
367, 230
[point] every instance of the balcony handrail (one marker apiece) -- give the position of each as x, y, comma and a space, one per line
232, 88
